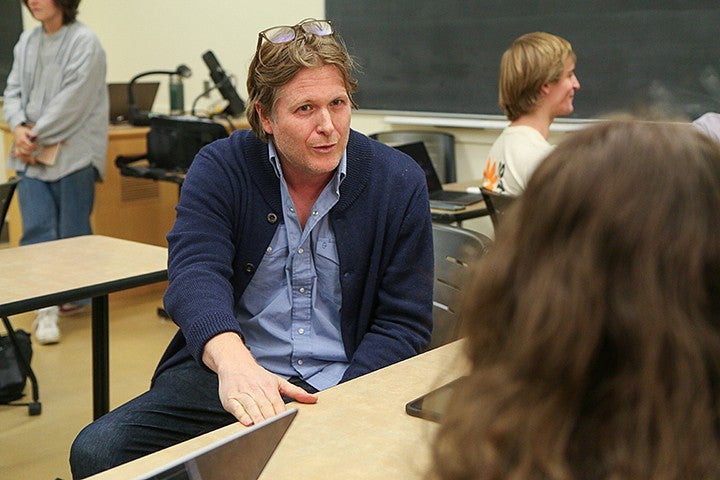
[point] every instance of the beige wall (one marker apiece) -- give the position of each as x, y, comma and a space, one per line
141, 35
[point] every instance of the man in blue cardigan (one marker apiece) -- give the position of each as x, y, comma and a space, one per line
301, 257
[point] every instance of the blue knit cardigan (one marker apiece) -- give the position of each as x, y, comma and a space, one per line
229, 210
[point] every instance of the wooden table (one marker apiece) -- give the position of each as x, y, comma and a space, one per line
91, 266
358, 429
471, 211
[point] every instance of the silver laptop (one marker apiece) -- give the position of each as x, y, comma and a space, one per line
241, 456
143, 92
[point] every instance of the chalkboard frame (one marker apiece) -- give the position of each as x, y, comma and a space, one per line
441, 58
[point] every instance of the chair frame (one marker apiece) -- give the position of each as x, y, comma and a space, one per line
7, 189
496, 204
456, 250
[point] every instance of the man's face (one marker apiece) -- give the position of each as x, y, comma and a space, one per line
311, 123
559, 95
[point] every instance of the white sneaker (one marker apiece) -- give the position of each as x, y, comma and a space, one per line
46, 326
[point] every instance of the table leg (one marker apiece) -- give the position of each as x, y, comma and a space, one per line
100, 356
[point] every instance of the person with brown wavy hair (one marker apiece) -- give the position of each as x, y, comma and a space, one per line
592, 325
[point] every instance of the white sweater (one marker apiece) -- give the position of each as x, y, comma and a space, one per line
513, 158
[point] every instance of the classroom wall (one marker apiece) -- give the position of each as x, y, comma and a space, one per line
141, 35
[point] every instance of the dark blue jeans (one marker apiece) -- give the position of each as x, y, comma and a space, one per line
182, 403
53, 210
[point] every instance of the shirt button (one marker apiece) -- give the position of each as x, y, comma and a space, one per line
301, 250
301, 289
269, 250
300, 362
301, 331
315, 213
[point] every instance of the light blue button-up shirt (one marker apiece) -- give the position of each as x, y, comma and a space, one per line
290, 312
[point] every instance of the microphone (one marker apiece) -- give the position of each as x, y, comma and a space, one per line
143, 118
184, 71
236, 106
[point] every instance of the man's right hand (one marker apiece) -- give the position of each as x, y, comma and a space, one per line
247, 390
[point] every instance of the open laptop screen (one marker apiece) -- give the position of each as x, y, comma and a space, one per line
143, 92
419, 153
439, 198
241, 455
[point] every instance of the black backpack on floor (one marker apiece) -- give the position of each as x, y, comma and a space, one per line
13, 376
15, 356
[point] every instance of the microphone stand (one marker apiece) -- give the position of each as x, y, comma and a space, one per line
143, 118
223, 114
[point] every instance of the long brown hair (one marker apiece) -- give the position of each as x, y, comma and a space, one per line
592, 325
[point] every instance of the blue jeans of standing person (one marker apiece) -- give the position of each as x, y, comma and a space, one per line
182, 403
54, 210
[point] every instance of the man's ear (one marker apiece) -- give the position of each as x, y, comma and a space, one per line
265, 120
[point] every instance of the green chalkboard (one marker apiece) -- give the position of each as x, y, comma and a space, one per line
10, 28
443, 56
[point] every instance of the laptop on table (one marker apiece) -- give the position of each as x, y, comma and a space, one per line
143, 93
439, 198
241, 456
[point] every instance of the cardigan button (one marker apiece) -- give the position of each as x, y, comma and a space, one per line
272, 218
249, 268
